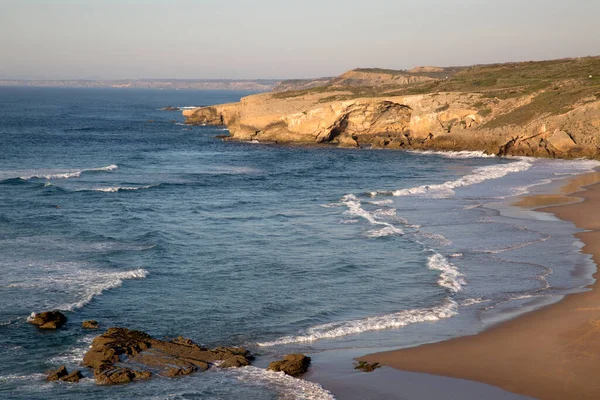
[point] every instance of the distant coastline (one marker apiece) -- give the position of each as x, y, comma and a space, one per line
259, 85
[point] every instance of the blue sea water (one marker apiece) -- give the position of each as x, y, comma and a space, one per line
111, 209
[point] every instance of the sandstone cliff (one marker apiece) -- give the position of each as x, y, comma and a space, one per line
548, 109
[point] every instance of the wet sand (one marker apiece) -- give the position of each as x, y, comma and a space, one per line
550, 353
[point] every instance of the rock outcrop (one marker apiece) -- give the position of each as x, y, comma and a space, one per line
559, 118
48, 319
61, 374
121, 355
292, 364
90, 324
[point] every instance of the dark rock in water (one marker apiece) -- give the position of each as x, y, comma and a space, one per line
181, 371
292, 364
366, 367
107, 348
109, 374
57, 374
117, 355
235, 362
48, 319
170, 108
61, 374
91, 324
73, 377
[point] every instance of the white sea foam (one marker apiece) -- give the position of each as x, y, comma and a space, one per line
472, 206
454, 154
76, 283
114, 189
396, 320
14, 377
436, 237
478, 175
58, 174
355, 209
287, 387
383, 232
450, 277
74, 356
383, 202
470, 302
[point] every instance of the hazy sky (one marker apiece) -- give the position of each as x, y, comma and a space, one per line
61, 39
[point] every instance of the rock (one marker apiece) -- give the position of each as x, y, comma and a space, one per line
366, 367
107, 348
62, 374
48, 319
235, 361
561, 140
73, 377
292, 364
57, 374
174, 371
91, 324
170, 108
118, 355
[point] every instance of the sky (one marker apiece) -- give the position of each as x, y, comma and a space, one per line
240, 39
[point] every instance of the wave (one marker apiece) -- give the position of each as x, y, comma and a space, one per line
454, 154
31, 377
450, 277
74, 356
355, 209
383, 232
514, 247
446, 189
67, 174
114, 189
287, 386
80, 283
470, 302
396, 320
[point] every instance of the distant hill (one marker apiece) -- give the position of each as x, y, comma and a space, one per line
261, 85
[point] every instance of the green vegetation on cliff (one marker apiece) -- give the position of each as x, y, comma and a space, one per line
556, 86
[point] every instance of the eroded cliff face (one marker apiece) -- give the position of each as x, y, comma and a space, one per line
438, 121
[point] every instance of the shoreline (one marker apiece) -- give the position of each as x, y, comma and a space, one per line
548, 353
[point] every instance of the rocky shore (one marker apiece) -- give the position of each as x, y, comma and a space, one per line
543, 109
120, 356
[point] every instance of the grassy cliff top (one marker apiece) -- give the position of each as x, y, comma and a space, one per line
557, 86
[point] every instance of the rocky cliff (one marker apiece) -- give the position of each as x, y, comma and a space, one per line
547, 109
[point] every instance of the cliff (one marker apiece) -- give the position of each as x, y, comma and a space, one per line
548, 109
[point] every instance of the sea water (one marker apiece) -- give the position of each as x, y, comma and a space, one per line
113, 210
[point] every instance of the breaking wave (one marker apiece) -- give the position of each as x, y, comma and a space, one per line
287, 387
454, 154
396, 320
450, 277
80, 285
446, 189
66, 174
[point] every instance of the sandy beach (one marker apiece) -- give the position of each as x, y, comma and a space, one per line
550, 353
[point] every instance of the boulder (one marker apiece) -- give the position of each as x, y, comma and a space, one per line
121, 355
55, 375
73, 377
48, 319
61, 374
367, 367
91, 324
292, 364
235, 361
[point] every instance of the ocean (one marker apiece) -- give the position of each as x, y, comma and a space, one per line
112, 209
